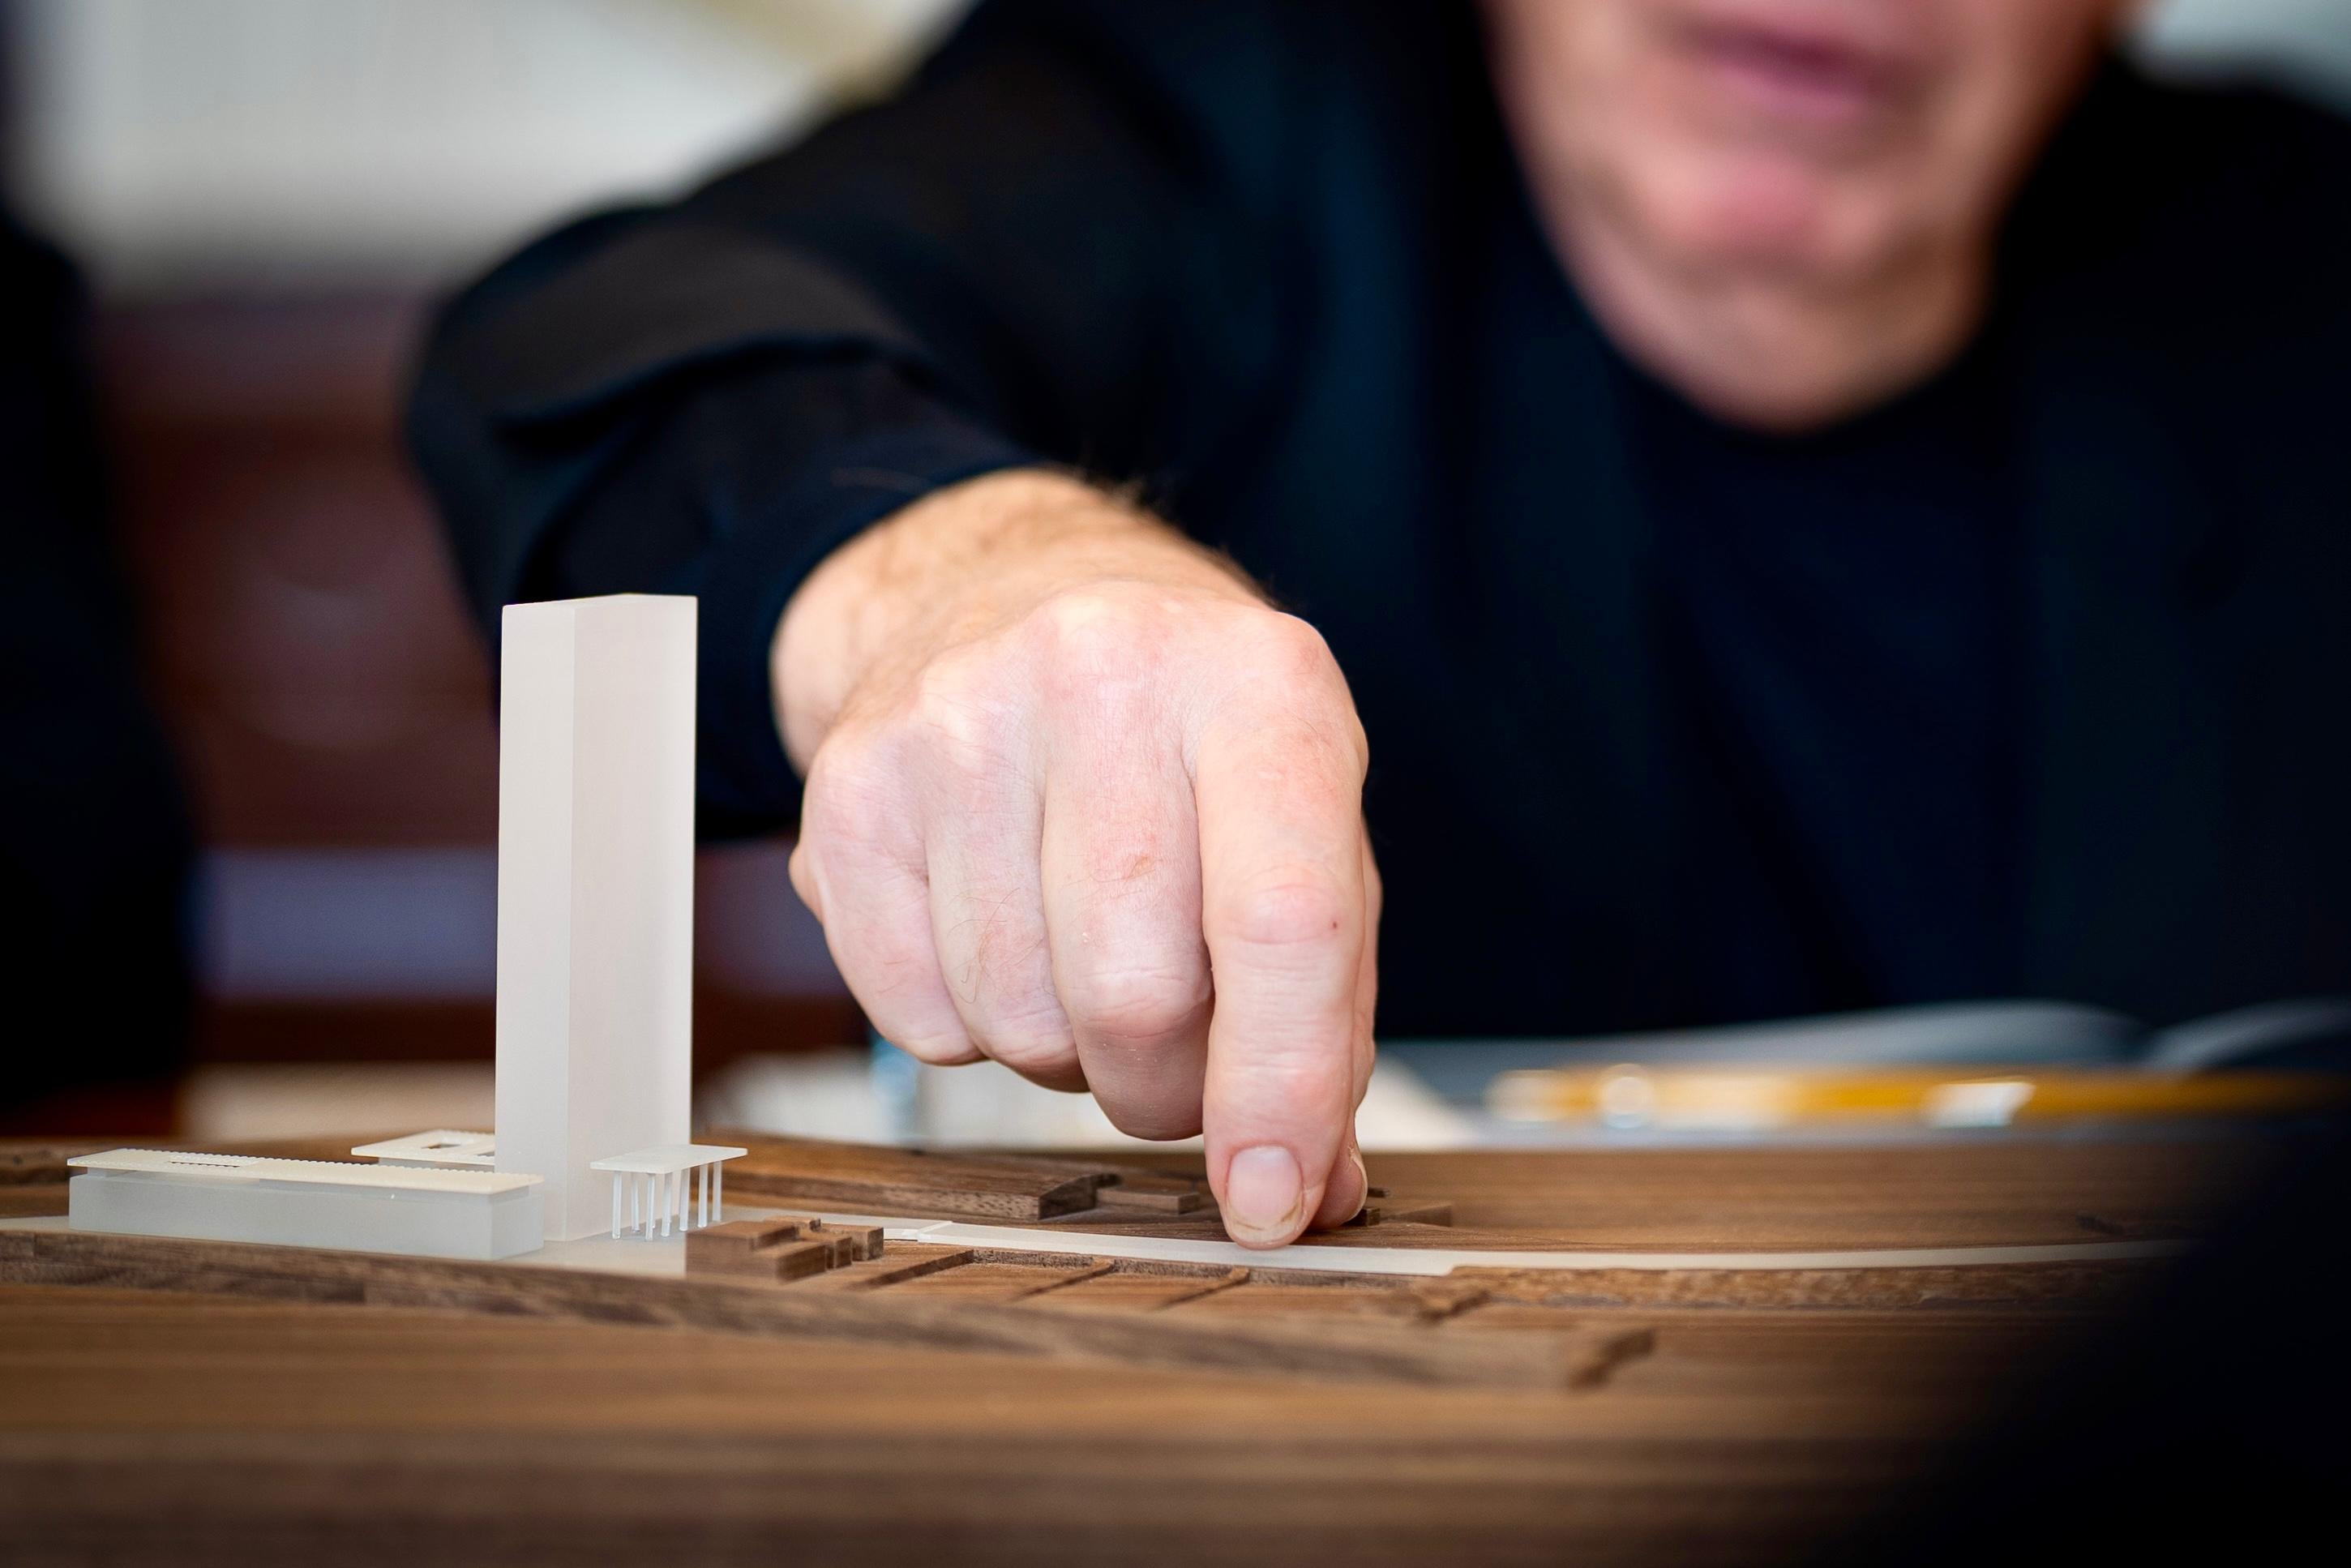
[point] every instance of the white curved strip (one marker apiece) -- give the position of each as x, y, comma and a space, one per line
1342, 1258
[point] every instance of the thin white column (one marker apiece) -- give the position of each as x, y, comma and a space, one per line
719, 1189
616, 1205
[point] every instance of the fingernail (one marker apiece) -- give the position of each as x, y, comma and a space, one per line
1263, 1194
1362, 1182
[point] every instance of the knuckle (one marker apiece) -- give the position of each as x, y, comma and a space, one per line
958, 709
1289, 912
1137, 1003
1029, 1035
1065, 1078
994, 929
851, 796
1304, 1072
1130, 859
1293, 652
1158, 1119
1292, 674
801, 871
1101, 632
1095, 615
1035, 1049
937, 1049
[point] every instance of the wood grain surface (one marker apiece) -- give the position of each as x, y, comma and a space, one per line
973, 1306
2026, 1191
908, 1181
139, 1425
2006, 1192
192, 1400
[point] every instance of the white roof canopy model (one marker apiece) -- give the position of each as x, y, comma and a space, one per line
668, 1159
659, 1185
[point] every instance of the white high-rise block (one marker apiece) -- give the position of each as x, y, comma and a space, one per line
595, 891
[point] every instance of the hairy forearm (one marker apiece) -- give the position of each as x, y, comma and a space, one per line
956, 565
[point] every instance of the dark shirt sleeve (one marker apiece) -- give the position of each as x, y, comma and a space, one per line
1041, 251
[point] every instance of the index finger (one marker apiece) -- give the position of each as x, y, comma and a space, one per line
1283, 911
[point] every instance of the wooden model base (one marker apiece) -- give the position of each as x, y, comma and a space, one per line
620, 1399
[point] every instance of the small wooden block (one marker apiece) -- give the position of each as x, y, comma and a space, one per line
867, 1240
745, 1235
795, 1260
739, 1245
1153, 1193
873, 1180
784, 1247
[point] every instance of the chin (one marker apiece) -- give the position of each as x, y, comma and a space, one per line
1766, 212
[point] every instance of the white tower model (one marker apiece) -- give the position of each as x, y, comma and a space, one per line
595, 1025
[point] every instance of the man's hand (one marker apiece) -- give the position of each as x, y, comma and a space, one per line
1080, 801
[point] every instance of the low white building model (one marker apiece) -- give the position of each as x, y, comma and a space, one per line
306, 1203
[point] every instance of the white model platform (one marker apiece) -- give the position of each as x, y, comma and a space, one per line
426, 1213
440, 1149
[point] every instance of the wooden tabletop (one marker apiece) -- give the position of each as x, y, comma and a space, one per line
205, 1422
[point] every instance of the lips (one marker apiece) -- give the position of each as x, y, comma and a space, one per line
1799, 69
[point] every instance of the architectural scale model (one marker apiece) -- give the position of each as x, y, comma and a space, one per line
663, 1180
595, 992
307, 1203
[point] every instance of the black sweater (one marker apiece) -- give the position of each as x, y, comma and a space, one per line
2033, 683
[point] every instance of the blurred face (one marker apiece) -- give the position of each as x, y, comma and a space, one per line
1822, 140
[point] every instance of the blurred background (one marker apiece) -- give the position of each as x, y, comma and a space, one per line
264, 197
